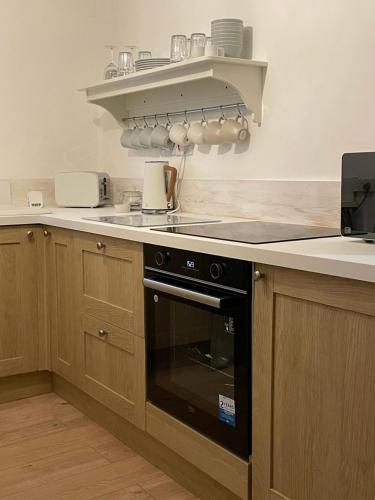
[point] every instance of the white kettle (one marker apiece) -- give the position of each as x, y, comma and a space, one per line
158, 187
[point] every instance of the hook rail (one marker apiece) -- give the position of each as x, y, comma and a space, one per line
236, 105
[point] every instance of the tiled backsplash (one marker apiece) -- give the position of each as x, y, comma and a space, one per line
20, 187
304, 202
300, 202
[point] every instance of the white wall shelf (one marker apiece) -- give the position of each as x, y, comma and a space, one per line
194, 83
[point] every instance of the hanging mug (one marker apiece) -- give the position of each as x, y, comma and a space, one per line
145, 136
179, 133
212, 132
235, 130
195, 133
126, 137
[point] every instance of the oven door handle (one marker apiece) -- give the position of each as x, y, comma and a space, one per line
183, 293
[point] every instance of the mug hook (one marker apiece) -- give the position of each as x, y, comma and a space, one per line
203, 116
168, 119
186, 118
239, 110
144, 119
156, 120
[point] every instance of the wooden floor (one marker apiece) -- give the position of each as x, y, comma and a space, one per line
49, 450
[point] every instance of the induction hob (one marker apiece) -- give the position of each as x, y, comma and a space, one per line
148, 220
254, 232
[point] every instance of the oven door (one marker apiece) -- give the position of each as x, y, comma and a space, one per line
198, 357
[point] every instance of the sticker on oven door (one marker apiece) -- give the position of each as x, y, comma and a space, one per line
227, 410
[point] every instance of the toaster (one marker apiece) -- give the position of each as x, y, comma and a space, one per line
82, 189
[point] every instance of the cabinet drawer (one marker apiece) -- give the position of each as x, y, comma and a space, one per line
111, 288
113, 368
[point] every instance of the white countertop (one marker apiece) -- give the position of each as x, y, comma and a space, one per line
344, 257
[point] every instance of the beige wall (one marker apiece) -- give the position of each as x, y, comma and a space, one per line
48, 49
319, 94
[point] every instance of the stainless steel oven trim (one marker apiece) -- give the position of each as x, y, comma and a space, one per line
183, 293
196, 280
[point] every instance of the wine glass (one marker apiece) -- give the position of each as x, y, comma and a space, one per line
111, 70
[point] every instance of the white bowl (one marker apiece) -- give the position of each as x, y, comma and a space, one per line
229, 38
227, 20
219, 42
227, 29
230, 45
227, 32
224, 35
227, 26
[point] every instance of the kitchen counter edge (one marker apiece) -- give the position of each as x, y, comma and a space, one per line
342, 257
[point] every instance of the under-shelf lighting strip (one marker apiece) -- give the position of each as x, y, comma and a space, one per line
237, 105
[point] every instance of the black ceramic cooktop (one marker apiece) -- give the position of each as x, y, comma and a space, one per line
254, 232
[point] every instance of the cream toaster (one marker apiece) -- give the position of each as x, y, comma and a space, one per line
82, 189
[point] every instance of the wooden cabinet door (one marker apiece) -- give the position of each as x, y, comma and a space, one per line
62, 301
111, 346
313, 387
110, 273
113, 368
19, 285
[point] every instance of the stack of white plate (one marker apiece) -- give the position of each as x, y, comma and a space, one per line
228, 33
153, 62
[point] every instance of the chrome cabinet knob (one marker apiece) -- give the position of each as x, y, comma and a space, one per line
103, 333
100, 245
46, 233
30, 234
257, 276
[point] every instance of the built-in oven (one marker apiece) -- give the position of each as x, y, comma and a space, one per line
198, 331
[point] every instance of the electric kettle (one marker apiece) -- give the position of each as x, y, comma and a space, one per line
158, 187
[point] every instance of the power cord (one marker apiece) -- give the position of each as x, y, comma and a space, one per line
181, 174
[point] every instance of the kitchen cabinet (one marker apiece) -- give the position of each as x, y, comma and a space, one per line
19, 300
111, 345
61, 300
313, 387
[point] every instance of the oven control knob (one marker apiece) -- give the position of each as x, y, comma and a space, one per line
217, 270
161, 258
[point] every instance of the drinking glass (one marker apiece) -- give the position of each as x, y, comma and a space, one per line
111, 70
144, 54
178, 48
132, 200
197, 44
125, 63
213, 50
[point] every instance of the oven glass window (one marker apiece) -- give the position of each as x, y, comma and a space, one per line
193, 350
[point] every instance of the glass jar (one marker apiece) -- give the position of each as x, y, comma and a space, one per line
178, 48
197, 44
